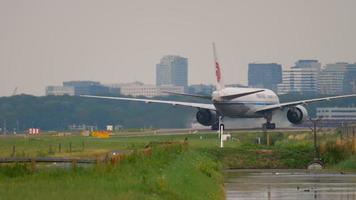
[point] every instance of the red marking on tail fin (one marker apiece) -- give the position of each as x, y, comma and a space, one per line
217, 71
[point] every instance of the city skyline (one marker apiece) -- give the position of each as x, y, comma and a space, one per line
305, 77
46, 42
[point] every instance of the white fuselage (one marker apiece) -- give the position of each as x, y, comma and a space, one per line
246, 106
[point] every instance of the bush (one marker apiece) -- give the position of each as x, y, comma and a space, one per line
334, 152
16, 170
347, 164
294, 154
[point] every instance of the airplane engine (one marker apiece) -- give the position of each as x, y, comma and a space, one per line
206, 117
297, 114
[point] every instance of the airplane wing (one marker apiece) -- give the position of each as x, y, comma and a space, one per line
173, 103
302, 102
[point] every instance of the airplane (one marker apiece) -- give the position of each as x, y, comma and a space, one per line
238, 102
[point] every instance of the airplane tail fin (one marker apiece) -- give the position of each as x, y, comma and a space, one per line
220, 83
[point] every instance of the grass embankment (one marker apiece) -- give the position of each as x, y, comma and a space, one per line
173, 173
339, 154
282, 155
74, 146
169, 172
289, 151
347, 164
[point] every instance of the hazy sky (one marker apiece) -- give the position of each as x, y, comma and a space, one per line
45, 42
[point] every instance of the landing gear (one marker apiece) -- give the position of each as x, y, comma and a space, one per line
215, 126
266, 126
221, 132
219, 122
221, 126
269, 125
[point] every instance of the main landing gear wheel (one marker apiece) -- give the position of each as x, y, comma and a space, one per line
215, 127
269, 125
221, 124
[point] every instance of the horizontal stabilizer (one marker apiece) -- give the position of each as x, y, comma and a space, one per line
188, 95
233, 96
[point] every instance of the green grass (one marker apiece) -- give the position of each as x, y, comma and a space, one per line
348, 164
238, 153
47, 145
169, 173
294, 155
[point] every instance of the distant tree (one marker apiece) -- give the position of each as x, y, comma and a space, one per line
58, 112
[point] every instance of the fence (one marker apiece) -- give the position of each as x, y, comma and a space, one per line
348, 131
114, 157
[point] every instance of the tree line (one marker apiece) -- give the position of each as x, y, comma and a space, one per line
58, 112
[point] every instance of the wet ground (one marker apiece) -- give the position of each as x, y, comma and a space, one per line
289, 184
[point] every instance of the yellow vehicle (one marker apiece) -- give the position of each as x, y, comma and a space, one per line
100, 134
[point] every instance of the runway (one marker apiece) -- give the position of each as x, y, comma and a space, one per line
188, 131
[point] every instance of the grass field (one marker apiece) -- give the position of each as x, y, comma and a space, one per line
174, 172
169, 173
45, 145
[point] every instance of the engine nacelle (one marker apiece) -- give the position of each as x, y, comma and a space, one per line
206, 117
297, 114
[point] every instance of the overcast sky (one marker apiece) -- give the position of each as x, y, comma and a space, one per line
45, 42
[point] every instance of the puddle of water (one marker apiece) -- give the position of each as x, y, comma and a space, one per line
288, 185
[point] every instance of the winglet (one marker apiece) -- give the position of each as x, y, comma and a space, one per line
220, 84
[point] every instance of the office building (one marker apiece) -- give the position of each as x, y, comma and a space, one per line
87, 87
201, 89
338, 78
308, 64
332, 78
350, 79
336, 113
80, 88
172, 70
139, 89
302, 78
336, 116
264, 75
60, 90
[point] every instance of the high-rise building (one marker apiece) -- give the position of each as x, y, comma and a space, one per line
338, 78
332, 78
308, 64
172, 70
264, 75
301, 78
350, 79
